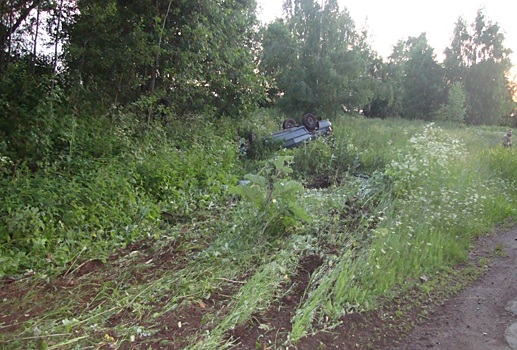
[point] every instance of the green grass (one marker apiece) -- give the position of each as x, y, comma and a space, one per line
439, 195
408, 199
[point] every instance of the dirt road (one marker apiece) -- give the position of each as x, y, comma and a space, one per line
479, 317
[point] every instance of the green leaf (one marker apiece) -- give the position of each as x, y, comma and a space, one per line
300, 213
257, 179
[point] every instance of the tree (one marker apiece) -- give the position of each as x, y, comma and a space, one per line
455, 108
415, 78
316, 59
278, 56
195, 54
458, 55
30, 127
479, 60
423, 80
489, 93
14, 15
387, 91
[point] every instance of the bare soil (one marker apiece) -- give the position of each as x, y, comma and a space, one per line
476, 318
467, 313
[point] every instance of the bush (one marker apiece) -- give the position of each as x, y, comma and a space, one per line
107, 189
49, 217
455, 109
184, 180
263, 148
35, 119
314, 158
502, 161
271, 199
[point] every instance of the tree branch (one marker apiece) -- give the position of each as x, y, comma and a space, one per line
24, 13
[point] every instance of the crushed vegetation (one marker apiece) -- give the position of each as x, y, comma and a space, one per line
273, 264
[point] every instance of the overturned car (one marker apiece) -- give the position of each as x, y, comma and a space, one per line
294, 135
291, 135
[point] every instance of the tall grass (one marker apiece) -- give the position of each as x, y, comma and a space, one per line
407, 199
430, 191
111, 189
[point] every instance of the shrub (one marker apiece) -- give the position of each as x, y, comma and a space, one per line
314, 158
455, 109
49, 217
271, 199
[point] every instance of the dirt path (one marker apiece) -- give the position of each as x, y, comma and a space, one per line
477, 318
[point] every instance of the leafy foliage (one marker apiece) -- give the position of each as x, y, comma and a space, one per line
128, 140
455, 108
273, 198
49, 218
33, 115
479, 60
414, 211
423, 83
316, 59
314, 159
263, 148
173, 50
106, 192
185, 181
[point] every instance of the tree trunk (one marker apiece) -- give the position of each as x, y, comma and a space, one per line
56, 41
35, 46
156, 61
9, 41
14, 13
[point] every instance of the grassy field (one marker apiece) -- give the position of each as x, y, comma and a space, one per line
156, 247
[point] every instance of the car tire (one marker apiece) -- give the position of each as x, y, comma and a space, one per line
288, 123
310, 121
252, 137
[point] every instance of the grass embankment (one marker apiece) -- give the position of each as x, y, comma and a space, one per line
407, 199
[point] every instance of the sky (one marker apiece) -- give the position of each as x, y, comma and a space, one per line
390, 21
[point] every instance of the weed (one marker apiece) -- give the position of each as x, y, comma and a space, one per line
423, 194
499, 250
272, 198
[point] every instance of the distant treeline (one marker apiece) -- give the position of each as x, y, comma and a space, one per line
166, 59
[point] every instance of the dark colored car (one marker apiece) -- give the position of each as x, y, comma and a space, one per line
295, 135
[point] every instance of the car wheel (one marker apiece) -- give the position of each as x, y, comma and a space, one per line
289, 123
252, 137
309, 121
